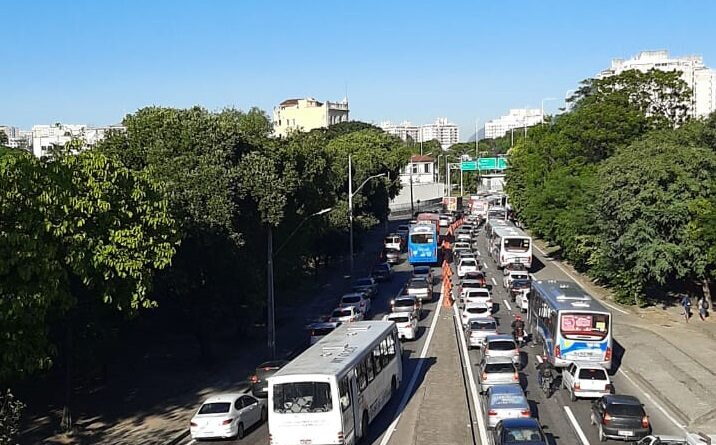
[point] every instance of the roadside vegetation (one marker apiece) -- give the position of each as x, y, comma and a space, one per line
624, 185
169, 220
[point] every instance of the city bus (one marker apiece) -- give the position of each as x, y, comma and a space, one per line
570, 324
423, 243
432, 218
508, 244
332, 391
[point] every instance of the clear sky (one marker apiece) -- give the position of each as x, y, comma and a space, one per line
92, 61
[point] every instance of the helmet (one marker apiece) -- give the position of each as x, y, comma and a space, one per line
518, 317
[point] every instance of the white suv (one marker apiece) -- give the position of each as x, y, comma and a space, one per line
406, 323
586, 380
466, 265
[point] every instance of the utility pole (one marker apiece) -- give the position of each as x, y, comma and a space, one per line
270, 308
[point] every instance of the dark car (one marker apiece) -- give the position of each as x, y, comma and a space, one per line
519, 431
620, 417
479, 276
382, 272
259, 382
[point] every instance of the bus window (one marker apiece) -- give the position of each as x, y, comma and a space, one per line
302, 397
362, 375
517, 244
344, 393
370, 372
422, 238
585, 324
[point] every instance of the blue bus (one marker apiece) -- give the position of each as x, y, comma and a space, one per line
570, 324
423, 244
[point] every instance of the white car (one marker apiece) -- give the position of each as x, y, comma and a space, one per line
346, 314
477, 295
501, 345
478, 329
319, 330
464, 237
475, 310
393, 241
462, 246
522, 301
586, 380
444, 220
227, 416
468, 284
406, 323
466, 265
357, 300
514, 275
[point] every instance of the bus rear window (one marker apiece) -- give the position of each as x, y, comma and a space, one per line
422, 238
302, 397
596, 325
517, 244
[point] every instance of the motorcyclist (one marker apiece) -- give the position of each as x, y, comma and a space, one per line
518, 327
545, 370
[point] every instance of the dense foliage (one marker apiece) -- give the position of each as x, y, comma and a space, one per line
623, 184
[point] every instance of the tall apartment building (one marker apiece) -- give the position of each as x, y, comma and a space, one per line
515, 118
446, 133
404, 130
307, 114
701, 79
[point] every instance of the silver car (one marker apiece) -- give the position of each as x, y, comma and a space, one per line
505, 402
407, 303
478, 329
420, 289
501, 345
497, 371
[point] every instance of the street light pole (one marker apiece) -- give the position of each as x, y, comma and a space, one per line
351, 193
271, 337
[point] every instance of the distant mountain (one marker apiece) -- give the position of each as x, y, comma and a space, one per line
481, 133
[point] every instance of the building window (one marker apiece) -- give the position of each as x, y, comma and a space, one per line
415, 169
427, 168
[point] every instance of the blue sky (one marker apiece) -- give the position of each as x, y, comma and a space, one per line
93, 61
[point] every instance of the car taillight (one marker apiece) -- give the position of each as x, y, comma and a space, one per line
577, 386
645, 422
516, 377
340, 437
608, 354
193, 424
227, 421
607, 418
525, 413
254, 379
557, 351
492, 412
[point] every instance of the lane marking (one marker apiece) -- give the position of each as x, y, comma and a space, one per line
478, 253
484, 266
482, 428
509, 308
577, 428
493, 281
659, 407
409, 390
576, 280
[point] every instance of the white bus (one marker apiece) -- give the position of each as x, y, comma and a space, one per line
570, 324
508, 244
332, 391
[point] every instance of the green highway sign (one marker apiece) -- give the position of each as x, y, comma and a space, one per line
491, 163
468, 166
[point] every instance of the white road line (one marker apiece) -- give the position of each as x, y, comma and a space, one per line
577, 428
509, 308
484, 266
659, 407
416, 373
473, 388
493, 281
577, 280
478, 253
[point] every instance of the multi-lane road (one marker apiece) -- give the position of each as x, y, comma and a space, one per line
565, 422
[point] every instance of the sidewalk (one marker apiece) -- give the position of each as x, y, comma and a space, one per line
674, 360
121, 414
437, 413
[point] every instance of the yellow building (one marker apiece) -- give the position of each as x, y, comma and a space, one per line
307, 114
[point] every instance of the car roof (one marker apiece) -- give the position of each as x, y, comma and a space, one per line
498, 359
483, 320
520, 422
347, 308
352, 294
472, 281
406, 297
421, 267
480, 304
324, 325
622, 399
397, 314
477, 290
589, 365
227, 397
499, 337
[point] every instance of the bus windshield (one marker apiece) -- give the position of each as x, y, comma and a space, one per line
422, 238
517, 244
576, 325
302, 397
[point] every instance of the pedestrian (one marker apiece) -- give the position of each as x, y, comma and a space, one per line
703, 308
686, 305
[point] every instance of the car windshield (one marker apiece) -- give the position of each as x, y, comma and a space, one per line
502, 345
592, 374
215, 408
520, 284
342, 313
351, 299
302, 397
418, 282
471, 285
404, 303
519, 276
499, 367
399, 319
518, 435
581, 325
625, 410
487, 325
364, 282
468, 262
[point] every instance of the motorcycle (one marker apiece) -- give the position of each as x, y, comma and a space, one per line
519, 336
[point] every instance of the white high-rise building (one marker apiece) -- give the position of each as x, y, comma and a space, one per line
701, 79
404, 130
515, 118
446, 133
46, 136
